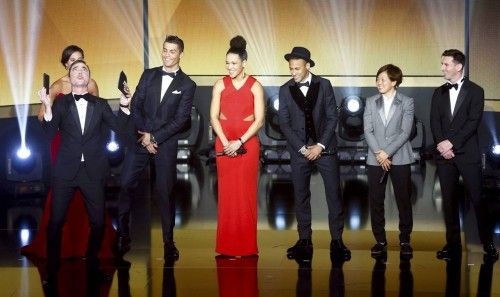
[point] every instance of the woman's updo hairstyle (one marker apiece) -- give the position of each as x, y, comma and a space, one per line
238, 46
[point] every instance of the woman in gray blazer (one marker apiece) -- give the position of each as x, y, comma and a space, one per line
388, 120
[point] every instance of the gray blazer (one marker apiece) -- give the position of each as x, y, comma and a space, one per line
391, 135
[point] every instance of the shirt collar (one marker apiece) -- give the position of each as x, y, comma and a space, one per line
175, 71
459, 82
308, 79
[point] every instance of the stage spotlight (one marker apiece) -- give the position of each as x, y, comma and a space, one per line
22, 161
272, 125
276, 103
353, 104
490, 163
23, 152
23, 165
114, 150
273, 142
351, 118
112, 146
495, 149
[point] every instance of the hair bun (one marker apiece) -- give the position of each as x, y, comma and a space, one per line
238, 42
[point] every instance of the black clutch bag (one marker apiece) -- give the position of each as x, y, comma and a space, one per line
239, 151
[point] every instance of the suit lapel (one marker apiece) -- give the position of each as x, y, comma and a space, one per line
74, 111
312, 92
297, 96
446, 102
460, 99
156, 87
88, 115
173, 85
394, 106
380, 108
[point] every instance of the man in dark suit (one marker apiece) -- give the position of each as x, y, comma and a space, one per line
80, 118
308, 117
456, 111
161, 106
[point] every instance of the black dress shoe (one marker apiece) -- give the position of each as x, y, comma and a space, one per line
170, 251
94, 272
490, 251
122, 245
450, 252
338, 249
303, 249
49, 284
379, 248
406, 251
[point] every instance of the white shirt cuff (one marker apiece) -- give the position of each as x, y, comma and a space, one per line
47, 117
322, 146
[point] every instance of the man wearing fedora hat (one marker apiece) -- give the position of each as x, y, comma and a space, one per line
308, 117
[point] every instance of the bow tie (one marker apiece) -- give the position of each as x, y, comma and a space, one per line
449, 86
302, 84
171, 74
78, 97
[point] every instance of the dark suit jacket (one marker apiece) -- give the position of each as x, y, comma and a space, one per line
93, 141
163, 119
460, 128
292, 118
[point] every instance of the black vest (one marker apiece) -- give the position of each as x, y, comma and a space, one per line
306, 104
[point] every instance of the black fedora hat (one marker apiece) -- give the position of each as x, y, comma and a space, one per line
299, 52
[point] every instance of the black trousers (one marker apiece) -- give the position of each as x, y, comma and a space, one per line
401, 182
165, 169
449, 173
301, 177
62, 193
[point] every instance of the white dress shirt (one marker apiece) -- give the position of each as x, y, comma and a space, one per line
454, 94
387, 106
166, 80
304, 89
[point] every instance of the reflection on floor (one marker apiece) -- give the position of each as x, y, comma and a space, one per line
200, 273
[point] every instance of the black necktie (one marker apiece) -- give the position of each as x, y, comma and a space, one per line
78, 97
171, 74
449, 86
303, 84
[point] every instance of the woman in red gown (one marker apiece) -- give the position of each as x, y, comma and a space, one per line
236, 115
77, 228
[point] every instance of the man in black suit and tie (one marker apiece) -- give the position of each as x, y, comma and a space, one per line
161, 106
80, 118
456, 112
308, 117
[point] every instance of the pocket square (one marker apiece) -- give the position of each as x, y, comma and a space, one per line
176, 92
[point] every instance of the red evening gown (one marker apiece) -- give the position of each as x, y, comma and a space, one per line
237, 277
237, 177
76, 229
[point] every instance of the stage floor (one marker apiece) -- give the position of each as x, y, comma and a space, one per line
199, 273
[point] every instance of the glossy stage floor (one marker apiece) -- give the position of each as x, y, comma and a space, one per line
199, 272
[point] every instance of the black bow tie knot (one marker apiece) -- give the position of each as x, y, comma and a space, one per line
449, 86
171, 74
303, 84
78, 97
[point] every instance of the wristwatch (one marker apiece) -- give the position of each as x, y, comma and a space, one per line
152, 139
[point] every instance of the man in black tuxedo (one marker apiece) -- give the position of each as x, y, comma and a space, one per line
308, 117
161, 106
456, 112
80, 118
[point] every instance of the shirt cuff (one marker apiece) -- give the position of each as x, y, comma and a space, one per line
47, 117
322, 146
303, 150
